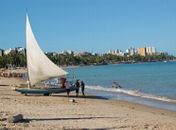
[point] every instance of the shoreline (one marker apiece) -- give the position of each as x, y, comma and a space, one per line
149, 101
156, 102
116, 63
93, 112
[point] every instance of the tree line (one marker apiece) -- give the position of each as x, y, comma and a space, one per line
19, 60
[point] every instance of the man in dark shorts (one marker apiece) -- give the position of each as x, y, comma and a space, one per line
77, 84
82, 87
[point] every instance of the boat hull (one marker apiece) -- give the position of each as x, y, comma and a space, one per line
46, 91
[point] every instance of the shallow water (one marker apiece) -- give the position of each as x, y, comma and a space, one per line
148, 83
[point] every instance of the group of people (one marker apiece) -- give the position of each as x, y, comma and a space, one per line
116, 85
78, 84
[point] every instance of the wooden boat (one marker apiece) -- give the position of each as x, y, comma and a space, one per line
39, 67
45, 91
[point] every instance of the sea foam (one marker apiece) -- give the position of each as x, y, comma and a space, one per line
136, 93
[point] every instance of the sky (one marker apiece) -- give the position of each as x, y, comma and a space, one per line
90, 25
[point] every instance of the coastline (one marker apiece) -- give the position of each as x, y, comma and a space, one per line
140, 83
23, 69
57, 112
116, 63
133, 97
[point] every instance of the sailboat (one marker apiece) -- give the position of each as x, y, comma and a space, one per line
39, 66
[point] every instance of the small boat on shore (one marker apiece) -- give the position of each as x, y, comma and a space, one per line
40, 67
43, 91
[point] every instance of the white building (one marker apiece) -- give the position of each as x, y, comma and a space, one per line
20, 50
131, 51
116, 52
6, 52
67, 52
150, 50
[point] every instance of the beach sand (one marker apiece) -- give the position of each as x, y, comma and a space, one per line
58, 112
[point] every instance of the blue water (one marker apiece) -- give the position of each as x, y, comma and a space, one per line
149, 81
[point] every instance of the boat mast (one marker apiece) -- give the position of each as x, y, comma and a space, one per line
28, 81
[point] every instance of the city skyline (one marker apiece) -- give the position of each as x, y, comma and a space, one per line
149, 50
94, 26
129, 50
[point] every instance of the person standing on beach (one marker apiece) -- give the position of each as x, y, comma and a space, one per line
82, 87
77, 84
67, 87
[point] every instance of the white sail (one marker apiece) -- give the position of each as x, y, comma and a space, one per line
39, 67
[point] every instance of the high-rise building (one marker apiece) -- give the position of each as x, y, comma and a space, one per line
150, 50
141, 51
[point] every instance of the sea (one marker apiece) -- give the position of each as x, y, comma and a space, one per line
152, 84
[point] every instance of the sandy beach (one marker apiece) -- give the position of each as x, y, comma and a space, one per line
58, 112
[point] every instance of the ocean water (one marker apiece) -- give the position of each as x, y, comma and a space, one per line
152, 84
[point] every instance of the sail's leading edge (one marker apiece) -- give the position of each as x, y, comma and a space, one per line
40, 68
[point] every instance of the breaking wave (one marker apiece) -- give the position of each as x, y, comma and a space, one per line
136, 93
